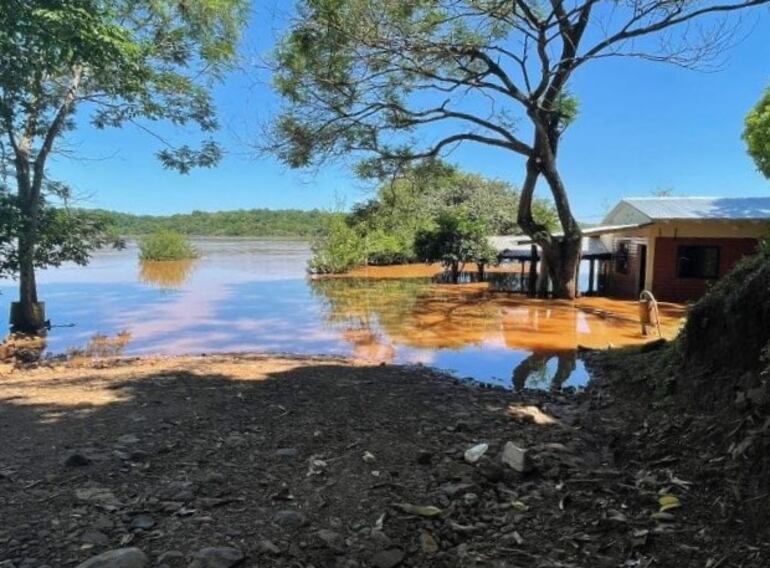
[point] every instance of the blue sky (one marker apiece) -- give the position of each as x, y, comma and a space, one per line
642, 126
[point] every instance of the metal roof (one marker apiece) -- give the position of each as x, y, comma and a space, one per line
714, 208
605, 229
590, 247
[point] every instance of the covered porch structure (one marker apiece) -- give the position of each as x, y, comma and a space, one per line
593, 268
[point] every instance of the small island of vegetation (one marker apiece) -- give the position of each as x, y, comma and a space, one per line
166, 245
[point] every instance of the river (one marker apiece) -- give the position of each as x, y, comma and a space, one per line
254, 295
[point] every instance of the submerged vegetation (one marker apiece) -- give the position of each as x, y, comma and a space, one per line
166, 245
386, 229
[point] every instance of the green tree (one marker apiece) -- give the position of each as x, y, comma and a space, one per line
64, 234
403, 80
117, 61
339, 249
457, 238
756, 134
412, 202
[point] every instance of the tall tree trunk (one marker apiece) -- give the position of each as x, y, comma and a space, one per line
27, 315
543, 275
562, 254
454, 273
563, 259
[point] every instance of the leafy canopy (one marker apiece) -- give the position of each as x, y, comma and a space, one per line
65, 235
757, 134
456, 239
385, 229
121, 61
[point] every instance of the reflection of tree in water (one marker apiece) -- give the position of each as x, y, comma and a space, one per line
361, 303
101, 346
413, 312
360, 306
533, 370
166, 274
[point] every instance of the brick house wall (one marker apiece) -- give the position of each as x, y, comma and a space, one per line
626, 284
666, 284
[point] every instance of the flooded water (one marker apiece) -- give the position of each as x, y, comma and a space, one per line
253, 295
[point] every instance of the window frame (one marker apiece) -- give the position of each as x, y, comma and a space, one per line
679, 256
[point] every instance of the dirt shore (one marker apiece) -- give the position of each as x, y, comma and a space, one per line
267, 461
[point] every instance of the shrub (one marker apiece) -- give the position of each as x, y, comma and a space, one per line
338, 250
166, 245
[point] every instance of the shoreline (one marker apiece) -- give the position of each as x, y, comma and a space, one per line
287, 460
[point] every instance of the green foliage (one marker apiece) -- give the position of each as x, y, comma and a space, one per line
756, 134
338, 250
166, 245
65, 235
388, 224
456, 239
124, 60
243, 223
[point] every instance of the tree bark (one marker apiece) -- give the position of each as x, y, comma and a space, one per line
454, 273
28, 317
543, 276
561, 254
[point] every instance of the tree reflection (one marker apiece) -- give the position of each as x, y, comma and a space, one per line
411, 312
166, 274
533, 370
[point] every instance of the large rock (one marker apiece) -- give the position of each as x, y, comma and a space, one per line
118, 558
217, 557
289, 519
387, 558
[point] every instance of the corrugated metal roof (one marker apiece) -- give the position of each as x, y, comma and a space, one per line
605, 229
716, 208
589, 247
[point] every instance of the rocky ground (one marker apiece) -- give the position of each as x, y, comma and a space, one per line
265, 461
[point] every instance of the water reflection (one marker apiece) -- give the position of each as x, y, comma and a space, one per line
534, 372
253, 295
166, 274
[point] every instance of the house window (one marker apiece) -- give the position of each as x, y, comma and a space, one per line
621, 258
698, 262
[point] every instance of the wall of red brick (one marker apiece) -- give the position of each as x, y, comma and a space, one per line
668, 287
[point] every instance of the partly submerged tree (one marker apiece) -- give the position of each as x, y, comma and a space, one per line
410, 79
117, 61
456, 239
756, 134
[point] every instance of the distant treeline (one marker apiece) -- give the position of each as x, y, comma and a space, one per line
241, 223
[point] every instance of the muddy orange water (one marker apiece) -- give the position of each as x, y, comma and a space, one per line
253, 295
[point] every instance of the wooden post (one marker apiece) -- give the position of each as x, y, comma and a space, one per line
577, 277
543, 278
532, 284
591, 276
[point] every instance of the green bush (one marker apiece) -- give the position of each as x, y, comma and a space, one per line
338, 250
166, 245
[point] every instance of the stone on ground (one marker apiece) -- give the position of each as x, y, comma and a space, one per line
119, 558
